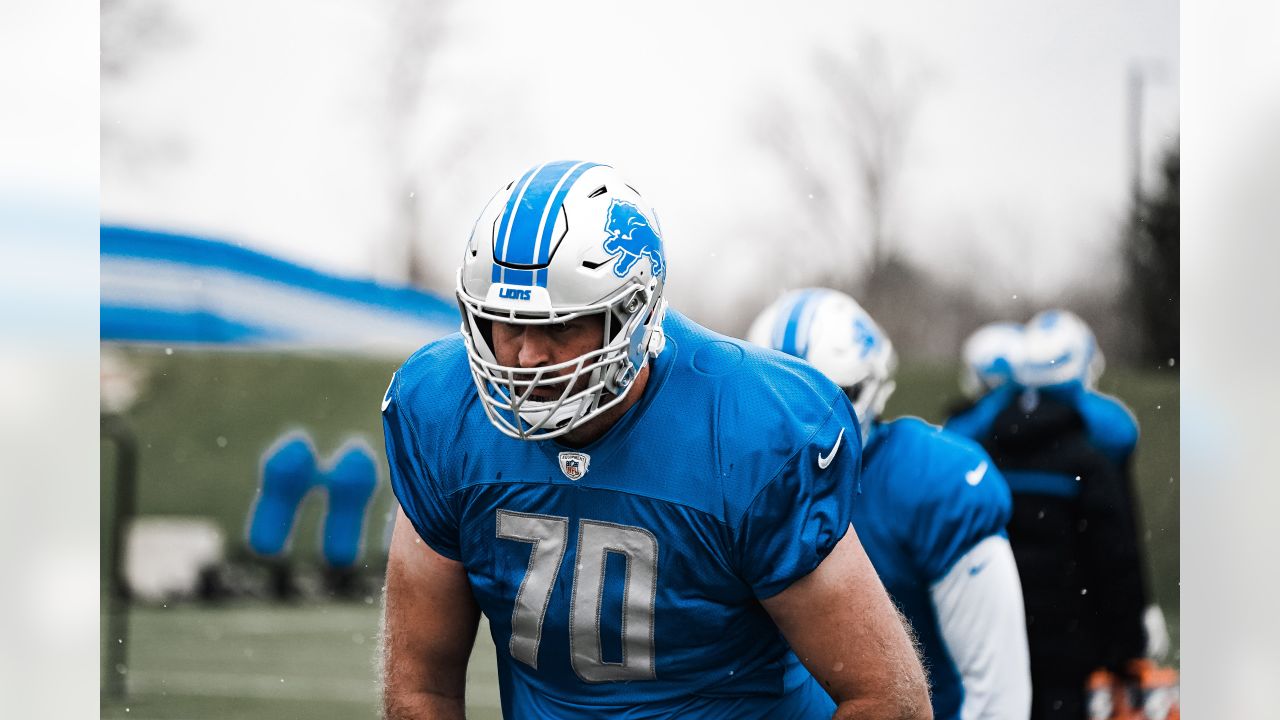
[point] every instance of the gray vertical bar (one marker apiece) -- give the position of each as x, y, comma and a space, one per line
640, 547
549, 536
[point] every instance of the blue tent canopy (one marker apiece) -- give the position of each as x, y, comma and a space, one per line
177, 289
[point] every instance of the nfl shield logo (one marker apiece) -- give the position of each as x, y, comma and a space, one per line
574, 464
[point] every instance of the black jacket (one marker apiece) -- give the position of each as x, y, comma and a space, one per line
1074, 539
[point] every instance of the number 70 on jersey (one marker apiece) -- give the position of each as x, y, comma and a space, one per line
549, 536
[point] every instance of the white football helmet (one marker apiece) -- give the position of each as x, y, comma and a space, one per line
833, 332
988, 357
1059, 348
566, 239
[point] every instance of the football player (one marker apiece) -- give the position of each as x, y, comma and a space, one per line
1062, 360
930, 514
1056, 354
655, 519
986, 365
1073, 530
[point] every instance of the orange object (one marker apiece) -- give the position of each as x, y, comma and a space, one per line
1150, 692
1101, 696
1156, 692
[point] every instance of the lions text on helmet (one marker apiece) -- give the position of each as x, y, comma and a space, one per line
568, 244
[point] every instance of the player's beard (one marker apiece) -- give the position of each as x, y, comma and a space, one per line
544, 406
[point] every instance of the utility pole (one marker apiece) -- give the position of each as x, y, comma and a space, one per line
1136, 86
116, 429
1141, 73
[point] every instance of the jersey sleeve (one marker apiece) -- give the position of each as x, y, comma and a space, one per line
412, 479
797, 518
976, 421
965, 500
1112, 426
981, 618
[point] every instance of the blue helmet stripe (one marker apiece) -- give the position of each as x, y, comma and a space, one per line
529, 220
794, 340
547, 225
525, 213
504, 225
519, 277
522, 238
782, 321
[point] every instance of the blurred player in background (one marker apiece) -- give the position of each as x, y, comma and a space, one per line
1058, 355
1051, 336
986, 365
1064, 450
652, 517
931, 514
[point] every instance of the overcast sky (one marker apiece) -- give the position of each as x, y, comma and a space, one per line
266, 122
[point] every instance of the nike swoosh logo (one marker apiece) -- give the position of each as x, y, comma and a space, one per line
386, 397
976, 569
974, 476
823, 462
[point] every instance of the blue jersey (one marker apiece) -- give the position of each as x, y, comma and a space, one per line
632, 589
928, 497
1110, 426
975, 421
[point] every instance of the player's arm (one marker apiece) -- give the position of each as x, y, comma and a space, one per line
975, 423
841, 624
428, 628
980, 614
957, 536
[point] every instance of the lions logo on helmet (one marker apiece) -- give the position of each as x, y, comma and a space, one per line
832, 331
864, 335
536, 256
630, 238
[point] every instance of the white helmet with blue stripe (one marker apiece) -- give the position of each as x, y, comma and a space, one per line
1059, 348
832, 331
988, 357
566, 239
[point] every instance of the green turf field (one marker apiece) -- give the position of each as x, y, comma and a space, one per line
203, 422
256, 660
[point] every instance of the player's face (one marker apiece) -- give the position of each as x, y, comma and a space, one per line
534, 346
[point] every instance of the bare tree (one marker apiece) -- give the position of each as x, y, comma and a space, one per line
845, 153
131, 30
781, 128
851, 157
875, 104
415, 31
426, 150
132, 34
